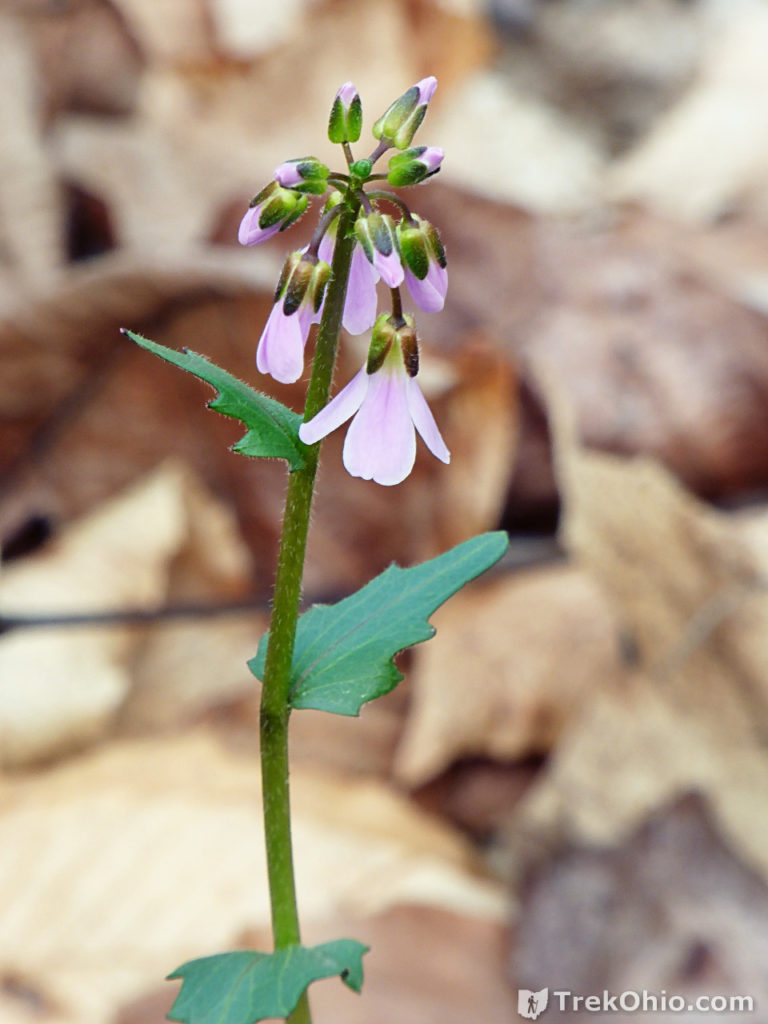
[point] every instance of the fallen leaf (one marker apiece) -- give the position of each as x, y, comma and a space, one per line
548, 166
86, 59
512, 663
648, 915
676, 169
31, 215
66, 686
653, 354
686, 583
129, 834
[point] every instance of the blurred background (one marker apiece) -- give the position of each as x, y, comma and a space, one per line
569, 790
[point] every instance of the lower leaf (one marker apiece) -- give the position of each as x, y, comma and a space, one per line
343, 652
245, 986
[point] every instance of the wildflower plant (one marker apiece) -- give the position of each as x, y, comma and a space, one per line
333, 658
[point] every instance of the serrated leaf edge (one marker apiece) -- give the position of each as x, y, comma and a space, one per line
267, 404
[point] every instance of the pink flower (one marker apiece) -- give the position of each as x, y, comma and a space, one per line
414, 165
400, 120
274, 209
251, 232
376, 235
426, 89
299, 296
280, 352
424, 260
346, 118
361, 300
306, 174
429, 293
388, 408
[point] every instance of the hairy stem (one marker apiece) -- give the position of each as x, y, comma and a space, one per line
275, 707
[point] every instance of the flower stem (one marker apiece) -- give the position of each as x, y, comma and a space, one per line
275, 707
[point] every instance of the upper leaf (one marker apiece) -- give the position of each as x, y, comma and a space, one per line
343, 652
245, 987
273, 429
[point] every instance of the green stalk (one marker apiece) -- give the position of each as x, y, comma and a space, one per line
275, 709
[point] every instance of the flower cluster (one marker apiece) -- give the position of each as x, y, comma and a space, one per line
391, 245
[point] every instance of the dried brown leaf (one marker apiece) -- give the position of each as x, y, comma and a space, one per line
688, 585
64, 687
31, 225
511, 664
129, 835
677, 169
648, 915
86, 58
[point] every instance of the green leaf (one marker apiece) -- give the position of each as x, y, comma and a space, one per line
273, 429
343, 652
244, 987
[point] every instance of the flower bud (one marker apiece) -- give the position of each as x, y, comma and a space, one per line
420, 245
346, 119
302, 281
306, 174
274, 209
423, 258
362, 168
414, 165
399, 122
376, 235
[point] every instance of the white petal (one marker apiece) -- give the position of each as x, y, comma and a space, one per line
381, 442
390, 268
327, 245
338, 410
424, 422
249, 232
428, 294
281, 347
361, 301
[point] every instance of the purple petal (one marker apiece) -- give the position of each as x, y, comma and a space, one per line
426, 89
428, 294
327, 245
281, 347
338, 410
381, 442
249, 232
389, 267
360, 303
287, 174
346, 93
424, 421
432, 157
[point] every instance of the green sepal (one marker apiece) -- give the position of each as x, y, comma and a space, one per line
343, 652
396, 115
382, 336
406, 169
298, 211
402, 137
297, 286
273, 429
408, 174
413, 251
245, 987
345, 123
312, 187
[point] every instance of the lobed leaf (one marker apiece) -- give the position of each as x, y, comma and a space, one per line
343, 652
273, 429
245, 987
